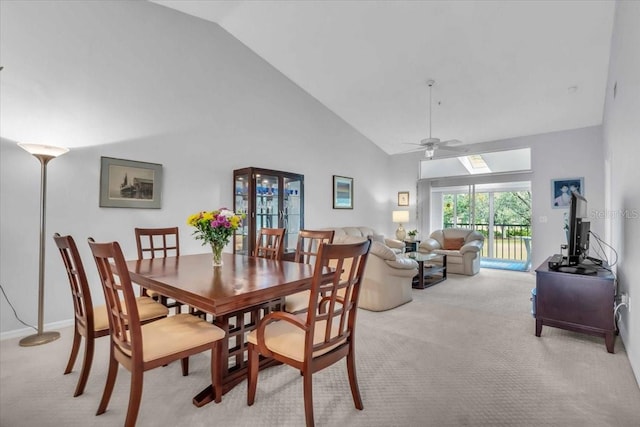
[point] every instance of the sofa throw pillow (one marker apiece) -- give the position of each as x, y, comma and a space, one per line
453, 244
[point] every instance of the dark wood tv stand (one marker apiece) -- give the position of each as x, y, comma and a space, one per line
576, 302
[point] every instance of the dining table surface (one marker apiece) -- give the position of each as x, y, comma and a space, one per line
241, 282
237, 294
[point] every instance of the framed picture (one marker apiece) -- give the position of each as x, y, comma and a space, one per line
403, 198
342, 192
130, 184
561, 190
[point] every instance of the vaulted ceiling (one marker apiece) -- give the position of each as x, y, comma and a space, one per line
502, 69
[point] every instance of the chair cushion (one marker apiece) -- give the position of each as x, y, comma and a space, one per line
453, 244
288, 340
147, 309
175, 334
297, 302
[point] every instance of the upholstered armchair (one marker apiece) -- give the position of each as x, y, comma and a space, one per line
462, 246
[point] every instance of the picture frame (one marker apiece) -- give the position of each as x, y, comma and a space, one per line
342, 192
561, 191
130, 184
403, 198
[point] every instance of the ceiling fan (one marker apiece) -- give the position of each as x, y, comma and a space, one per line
430, 145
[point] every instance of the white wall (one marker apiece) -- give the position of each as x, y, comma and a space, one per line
143, 82
621, 132
567, 154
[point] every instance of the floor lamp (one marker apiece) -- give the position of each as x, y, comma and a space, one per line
44, 153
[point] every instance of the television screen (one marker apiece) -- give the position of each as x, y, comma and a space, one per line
579, 229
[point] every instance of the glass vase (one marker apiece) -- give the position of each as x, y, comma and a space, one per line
217, 254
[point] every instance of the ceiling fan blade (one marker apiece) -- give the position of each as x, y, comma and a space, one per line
452, 142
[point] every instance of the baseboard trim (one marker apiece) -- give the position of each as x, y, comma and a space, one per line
17, 333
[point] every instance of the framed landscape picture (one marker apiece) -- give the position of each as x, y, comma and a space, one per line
130, 184
342, 192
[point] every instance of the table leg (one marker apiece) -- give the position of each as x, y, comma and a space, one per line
233, 364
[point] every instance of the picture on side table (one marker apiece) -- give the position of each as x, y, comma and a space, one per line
342, 192
561, 190
130, 184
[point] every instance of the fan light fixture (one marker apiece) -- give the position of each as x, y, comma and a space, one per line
429, 152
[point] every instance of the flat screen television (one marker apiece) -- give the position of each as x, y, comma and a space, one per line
579, 229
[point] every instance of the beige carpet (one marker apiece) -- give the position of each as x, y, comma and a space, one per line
462, 353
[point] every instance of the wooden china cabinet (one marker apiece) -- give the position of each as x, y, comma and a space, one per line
270, 199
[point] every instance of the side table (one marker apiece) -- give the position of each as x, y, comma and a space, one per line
411, 245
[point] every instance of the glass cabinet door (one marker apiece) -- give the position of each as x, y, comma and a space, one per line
267, 204
291, 212
242, 205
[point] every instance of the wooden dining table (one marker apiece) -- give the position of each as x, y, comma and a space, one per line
237, 295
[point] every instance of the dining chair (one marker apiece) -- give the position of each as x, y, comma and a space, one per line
92, 322
324, 334
139, 347
158, 243
306, 252
269, 243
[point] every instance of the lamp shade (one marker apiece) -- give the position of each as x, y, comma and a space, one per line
401, 217
43, 150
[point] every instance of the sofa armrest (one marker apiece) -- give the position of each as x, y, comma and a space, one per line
472, 246
429, 245
394, 244
382, 251
402, 263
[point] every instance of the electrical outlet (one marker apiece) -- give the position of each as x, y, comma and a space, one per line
624, 299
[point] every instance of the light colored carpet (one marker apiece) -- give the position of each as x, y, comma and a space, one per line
462, 353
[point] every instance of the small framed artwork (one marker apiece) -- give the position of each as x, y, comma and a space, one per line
342, 192
561, 190
403, 198
130, 184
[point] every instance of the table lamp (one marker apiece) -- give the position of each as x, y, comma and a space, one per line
44, 153
401, 217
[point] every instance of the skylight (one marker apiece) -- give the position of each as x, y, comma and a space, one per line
475, 164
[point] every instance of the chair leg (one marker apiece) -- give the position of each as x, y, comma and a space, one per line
252, 376
135, 396
216, 371
108, 387
353, 380
89, 345
74, 351
185, 366
308, 397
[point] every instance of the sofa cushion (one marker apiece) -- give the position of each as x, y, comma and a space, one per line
376, 238
453, 244
383, 251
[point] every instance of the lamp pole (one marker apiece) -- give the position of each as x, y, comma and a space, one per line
44, 154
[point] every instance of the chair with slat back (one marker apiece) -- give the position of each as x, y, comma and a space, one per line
145, 347
270, 243
306, 252
158, 243
323, 335
92, 322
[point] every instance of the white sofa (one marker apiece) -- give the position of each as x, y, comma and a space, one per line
388, 275
466, 259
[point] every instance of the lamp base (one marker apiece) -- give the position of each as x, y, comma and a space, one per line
401, 233
38, 339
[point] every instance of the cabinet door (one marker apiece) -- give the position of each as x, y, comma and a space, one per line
292, 211
243, 204
267, 201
